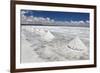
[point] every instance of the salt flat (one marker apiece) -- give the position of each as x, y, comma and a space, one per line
48, 44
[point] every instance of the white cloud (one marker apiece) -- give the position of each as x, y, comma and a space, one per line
23, 12
49, 21
88, 21
81, 22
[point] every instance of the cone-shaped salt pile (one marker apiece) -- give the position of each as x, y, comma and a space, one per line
48, 36
45, 34
77, 44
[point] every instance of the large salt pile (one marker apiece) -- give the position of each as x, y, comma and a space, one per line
77, 44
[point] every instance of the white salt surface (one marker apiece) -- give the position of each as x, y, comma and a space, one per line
48, 44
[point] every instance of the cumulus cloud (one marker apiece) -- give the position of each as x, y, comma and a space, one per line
35, 20
49, 21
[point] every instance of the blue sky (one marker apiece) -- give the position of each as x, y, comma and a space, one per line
58, 16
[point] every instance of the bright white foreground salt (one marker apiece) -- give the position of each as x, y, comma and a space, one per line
47, 44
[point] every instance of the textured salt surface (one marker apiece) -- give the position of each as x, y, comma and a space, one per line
57, 45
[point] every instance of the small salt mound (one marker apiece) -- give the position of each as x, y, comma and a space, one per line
45, 34
77, 44
48, 36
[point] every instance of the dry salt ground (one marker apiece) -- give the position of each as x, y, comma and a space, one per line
48, 44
